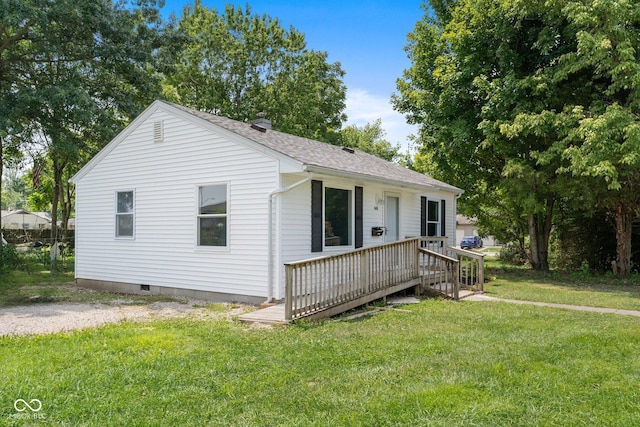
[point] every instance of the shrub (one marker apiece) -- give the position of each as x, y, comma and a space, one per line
9, 258
512, 254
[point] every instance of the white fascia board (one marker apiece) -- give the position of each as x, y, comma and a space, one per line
371, 178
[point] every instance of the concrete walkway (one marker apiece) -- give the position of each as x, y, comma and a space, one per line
480, 297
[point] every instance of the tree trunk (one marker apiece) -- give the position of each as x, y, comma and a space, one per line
624, 221
539, 231
57, 178
1, 168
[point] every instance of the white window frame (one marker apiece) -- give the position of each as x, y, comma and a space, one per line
198, 216
437, 222
118, 214
351, 225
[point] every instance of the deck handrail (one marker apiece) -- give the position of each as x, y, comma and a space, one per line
440, 271
471, 266
317, 284
330, 284
471, 274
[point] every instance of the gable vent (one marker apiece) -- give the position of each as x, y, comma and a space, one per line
158, 131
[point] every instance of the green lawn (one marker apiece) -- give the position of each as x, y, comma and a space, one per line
562, 287
33, 283
437, 363
441, 364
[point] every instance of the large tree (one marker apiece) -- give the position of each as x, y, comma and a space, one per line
499, 89
469, 78
605, 144
238, 64
72, 73
598, 124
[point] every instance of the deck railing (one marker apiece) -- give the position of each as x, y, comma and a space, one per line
471, 272
336, 283
439, 272
471, 264
324, 286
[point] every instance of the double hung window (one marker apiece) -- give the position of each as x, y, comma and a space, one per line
212, 215
125, 213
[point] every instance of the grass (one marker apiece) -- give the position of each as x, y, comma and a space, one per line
33, 283
437, 363
576, 288
441, 364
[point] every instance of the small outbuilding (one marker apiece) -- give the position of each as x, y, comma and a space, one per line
184, 202
21, 219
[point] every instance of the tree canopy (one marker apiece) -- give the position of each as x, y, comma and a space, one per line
72, 73
529, 106
369, 138
238, 64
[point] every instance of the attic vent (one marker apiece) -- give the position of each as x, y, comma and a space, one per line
348, 150
158, 131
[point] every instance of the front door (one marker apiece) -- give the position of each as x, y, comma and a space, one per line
392, 218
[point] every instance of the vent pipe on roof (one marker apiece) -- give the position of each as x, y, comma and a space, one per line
261, 123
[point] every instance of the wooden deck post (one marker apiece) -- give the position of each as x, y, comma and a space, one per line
364, 271
456, 281
288, 301
481, 274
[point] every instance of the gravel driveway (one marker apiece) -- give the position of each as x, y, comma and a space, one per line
50, 318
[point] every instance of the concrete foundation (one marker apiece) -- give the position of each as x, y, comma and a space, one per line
137, 289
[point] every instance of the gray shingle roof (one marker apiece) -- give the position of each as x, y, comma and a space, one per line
318, 155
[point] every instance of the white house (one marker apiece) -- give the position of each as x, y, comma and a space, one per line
183, 202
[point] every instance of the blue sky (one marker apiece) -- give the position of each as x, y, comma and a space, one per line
366, 37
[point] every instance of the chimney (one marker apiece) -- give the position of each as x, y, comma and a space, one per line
261, 123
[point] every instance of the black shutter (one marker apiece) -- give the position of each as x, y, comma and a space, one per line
316, 216
443, 218
423, 216
358, 219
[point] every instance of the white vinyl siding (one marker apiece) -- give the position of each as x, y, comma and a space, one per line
165, 176
294, 218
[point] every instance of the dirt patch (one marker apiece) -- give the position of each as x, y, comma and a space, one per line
52, 318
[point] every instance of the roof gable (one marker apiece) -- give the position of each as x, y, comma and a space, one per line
314, 156
322, 157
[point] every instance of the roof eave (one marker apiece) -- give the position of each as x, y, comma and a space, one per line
397, 183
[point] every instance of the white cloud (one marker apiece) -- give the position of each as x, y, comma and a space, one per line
364, 107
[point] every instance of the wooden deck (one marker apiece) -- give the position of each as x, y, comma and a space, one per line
329, 285
274, 315
270, 315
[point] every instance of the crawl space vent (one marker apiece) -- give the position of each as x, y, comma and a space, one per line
158, 131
